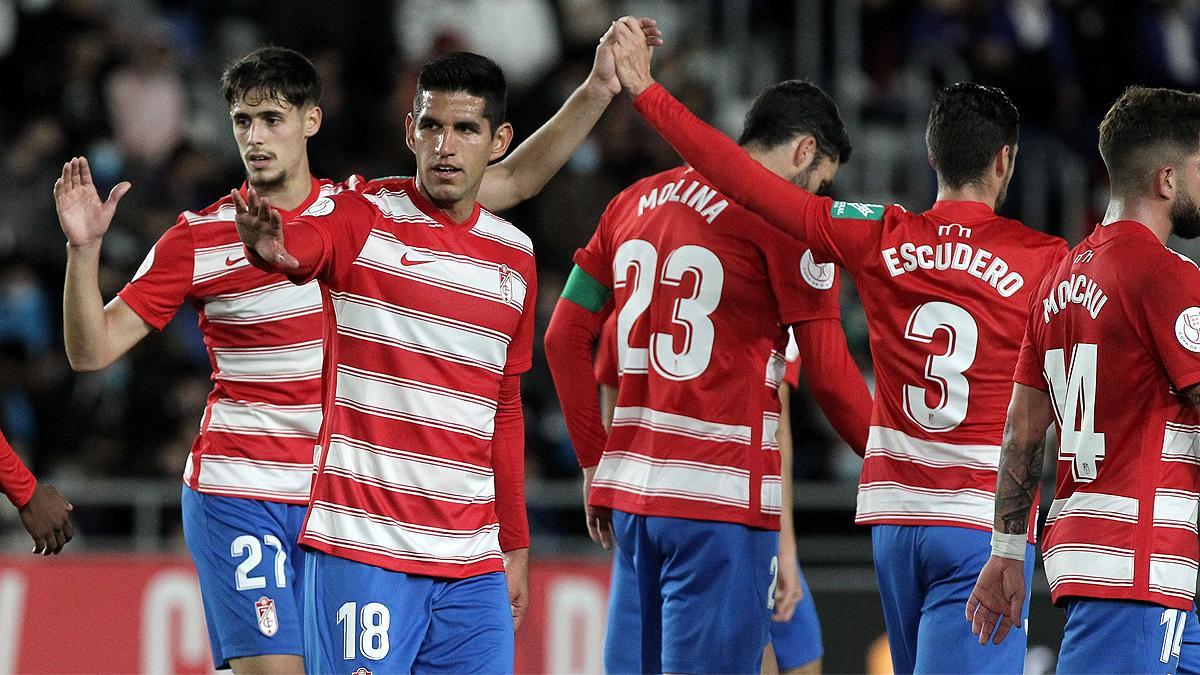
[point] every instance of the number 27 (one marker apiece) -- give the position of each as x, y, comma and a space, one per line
247, 545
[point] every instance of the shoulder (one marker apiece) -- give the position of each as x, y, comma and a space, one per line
493, 227
383, 183
220, 211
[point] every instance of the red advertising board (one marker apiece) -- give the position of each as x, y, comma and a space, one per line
129, 614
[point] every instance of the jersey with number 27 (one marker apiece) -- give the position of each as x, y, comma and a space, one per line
1114, 337
946, 294
703, 292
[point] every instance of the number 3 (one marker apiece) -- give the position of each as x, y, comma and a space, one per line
943, 370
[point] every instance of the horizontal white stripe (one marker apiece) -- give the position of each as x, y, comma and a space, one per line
409, 472
1094, 505
396, 326
1181, 443
413, 401
283, 300
681, 479
776, 367
243, 417
885, 500
1173, 575
886, 442
770, 428
224, 213
1176, 508
398, 206
449, 271
286, 363
499, 230
682, 425
382, 535
772, 494
210, 263
1087, 563
280, 480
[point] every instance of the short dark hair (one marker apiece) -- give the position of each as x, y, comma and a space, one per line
790, 108
275, 73
471, 73
968, 125
1147, 128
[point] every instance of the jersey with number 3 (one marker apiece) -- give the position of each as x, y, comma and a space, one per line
946, 294
1114, 337
703, 291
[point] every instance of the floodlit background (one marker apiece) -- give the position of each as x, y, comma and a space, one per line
132, 84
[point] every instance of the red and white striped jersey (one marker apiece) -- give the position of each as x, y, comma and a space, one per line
425, 318
947, 294
1114, 337
263, 336
703, 290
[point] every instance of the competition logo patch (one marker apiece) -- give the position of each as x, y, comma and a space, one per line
818, 275
1187, 329
268, 620
321, 207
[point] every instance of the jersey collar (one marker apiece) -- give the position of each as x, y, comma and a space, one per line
430, 209
952, 209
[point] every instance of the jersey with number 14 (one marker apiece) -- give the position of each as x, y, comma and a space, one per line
1114, 336
703, 291
946, 294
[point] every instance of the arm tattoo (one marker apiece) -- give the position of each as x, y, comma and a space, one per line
1018, 480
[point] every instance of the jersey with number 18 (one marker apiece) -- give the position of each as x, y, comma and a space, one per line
704, 290
1114, 336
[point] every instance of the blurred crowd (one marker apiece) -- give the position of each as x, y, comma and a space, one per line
133, 85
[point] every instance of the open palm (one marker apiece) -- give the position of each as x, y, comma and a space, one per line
81, 214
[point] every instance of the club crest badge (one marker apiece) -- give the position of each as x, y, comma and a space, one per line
818, 275
362, 671
1187, 329
506, 290
268, 620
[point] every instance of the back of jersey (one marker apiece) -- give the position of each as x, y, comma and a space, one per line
701, 288
946, 294
1114, 336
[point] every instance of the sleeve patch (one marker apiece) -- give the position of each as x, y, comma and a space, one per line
585, 291
818, 275
857, 211
322, 207
1187, 329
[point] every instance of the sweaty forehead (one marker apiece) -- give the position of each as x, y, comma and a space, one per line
456, 104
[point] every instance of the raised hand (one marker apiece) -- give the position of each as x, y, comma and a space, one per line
81, 214
261, 228
997, 599
604, 70
631, 55
46, 519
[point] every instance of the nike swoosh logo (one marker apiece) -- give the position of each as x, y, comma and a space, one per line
231, 261
407, 262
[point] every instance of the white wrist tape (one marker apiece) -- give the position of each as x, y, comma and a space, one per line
1010, 546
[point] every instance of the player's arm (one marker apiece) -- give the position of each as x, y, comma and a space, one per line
836, 383
788, 591
999, 594
574, 327
43, 511
95, 334
526, 171
263, 232
508, 467
714, 155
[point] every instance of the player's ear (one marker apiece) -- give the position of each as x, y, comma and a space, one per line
1166, 181
500, 141
312, 120
1004, 160
410, 127
805, 151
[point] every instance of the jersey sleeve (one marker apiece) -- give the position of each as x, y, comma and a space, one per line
606, 353
1030, 360
520, 350
803, 288
595, 258
1170, 301
164, 280
330, 233
16, 482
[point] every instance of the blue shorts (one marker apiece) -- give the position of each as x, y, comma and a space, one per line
251, 573
1151, 638
362, 616
926, 574
796, 642
701, 591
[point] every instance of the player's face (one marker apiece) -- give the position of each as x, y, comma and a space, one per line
1184, 213
272, 138
818, 177
453, 143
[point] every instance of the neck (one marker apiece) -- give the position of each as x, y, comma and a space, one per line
292, 192
778, 161
968, 193
458, 211
1155, 218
